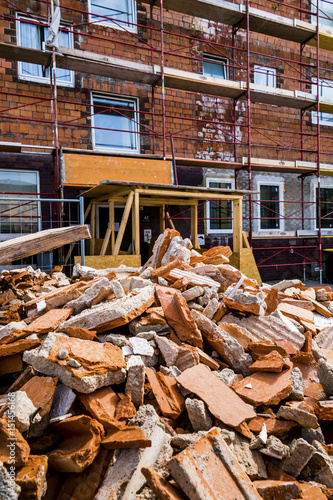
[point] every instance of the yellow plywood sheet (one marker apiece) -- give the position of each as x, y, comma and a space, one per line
106, 261
89, 170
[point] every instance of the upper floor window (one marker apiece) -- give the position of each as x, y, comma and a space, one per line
265, 76
215, 66
325, 92
219, 212
115, 123
325, 8
270, 206
120, 14
33, 36
326, 207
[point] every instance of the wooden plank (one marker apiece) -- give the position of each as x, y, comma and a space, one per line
136, 224
237, 226
112, 222
105, 241
97, 169
110, 261
193, 195
93, 228
162, 218
170, 221
43, 241
123, 223
194, 226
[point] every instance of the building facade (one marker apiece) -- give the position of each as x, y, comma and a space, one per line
217, 94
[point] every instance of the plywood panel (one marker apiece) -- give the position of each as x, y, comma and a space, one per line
89, 170
107, 261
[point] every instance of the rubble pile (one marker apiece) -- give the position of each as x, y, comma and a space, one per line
183, 379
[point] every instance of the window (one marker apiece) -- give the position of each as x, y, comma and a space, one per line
215, 66
325, 13
326, 92
34, 36
219, 212
16, 218
326, 207
270, 206
115, 124
120, 14
265, 76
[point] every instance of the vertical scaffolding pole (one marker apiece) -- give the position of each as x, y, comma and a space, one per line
249, 116
152, 65
162, 77
318, 153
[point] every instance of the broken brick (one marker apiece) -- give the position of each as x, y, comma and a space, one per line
168, 397
265, 388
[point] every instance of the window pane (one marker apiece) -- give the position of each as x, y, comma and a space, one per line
220, 212
217, 69
326, 13
30, 36
265, 76
119, 10
326, 92
16, 218
64, 40
120, 117
269, 207
326, 207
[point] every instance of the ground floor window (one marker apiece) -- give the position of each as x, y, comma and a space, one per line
270, 206
219, 212
326, 207
18, 217
115, 123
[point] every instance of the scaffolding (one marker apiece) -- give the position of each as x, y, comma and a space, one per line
174, 136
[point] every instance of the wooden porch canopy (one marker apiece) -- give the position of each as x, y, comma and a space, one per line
134, 195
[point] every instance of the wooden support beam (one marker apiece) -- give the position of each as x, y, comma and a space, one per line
190, 195
112, 222
123, 223
170, 221
93, 228
43, 241
237, 226
162, 218
136, 225
194, 226
105, 241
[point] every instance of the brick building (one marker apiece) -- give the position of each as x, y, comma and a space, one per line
217, 94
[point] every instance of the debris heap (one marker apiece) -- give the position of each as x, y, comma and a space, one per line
183, 379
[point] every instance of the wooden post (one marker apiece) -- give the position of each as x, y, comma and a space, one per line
237, 226
93, 228
136, 225
162, 218
112, 223
194, 226
72, 246
123, 223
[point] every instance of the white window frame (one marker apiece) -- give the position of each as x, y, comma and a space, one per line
314, 117
265, 70
40, 79
314, 211
136, 121
321, 19
223, 61
208, 228
122, 26
280, 185
8, 236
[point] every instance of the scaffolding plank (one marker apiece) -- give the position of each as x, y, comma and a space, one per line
266, 23
43, 241
87, 62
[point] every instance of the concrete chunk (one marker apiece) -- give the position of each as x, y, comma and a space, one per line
207, 470
219, 340
193, 293
101, 364
86, 299
325, 374
198, 415
300, 454
303, 418
113, 314
222, 401
135, 379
